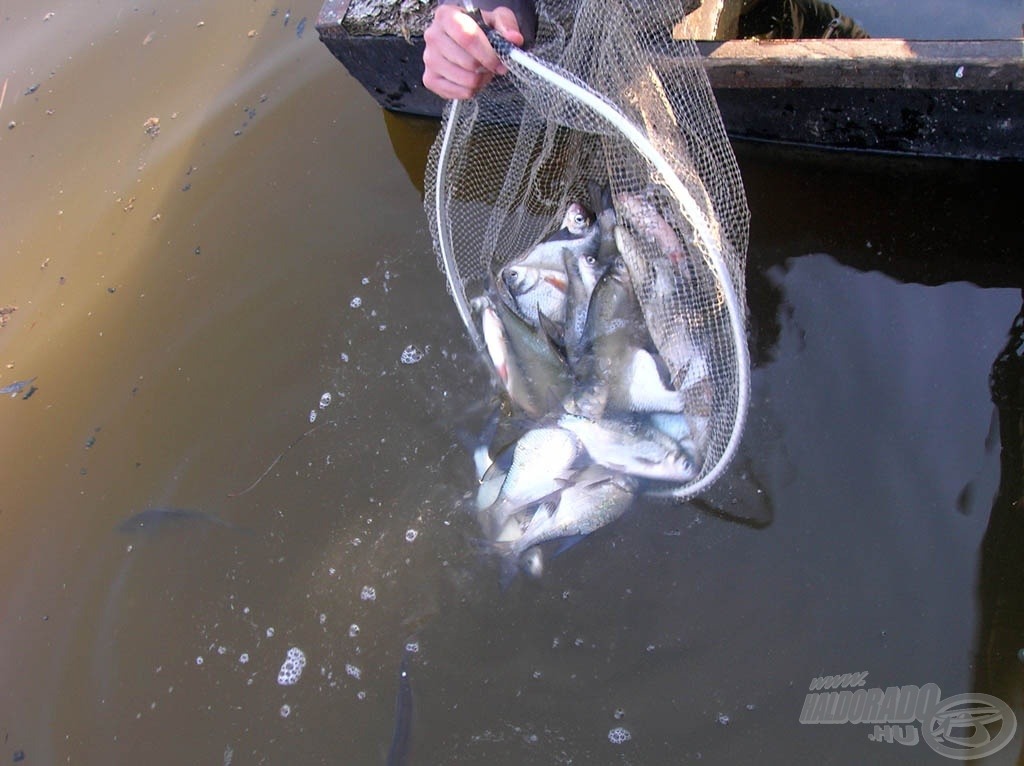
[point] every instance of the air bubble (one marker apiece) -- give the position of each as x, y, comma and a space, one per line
619, 714
356, 302
412, 647
723, 719
411, 355
618, 735
323, 619
368, 593
353, 630
286, 710
312, 416
353, 671
199, 660
325, 400
243, 657
270, 632
410, 535
360, 695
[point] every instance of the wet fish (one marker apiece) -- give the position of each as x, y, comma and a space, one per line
577, 219
534, 284
536, 292
582, 275
645, 219
525, 359
601, 199
635, 448
614, 330
401, 740
13, 389
596, 497
152, 519
543, 463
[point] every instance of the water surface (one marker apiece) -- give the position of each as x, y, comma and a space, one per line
185, 300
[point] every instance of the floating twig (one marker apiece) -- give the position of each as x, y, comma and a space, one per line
3, 92
275, 461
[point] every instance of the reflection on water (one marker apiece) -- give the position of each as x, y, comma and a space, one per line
185, 299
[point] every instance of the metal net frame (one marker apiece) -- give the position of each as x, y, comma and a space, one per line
607, 97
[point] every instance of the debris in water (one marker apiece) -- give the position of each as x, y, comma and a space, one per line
31, 89
152, 127
275, 461
251, 33
5, 314
17, 387
300, 27
325, 400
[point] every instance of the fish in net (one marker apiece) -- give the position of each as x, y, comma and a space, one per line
589, 215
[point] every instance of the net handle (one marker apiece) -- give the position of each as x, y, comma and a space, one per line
596, 103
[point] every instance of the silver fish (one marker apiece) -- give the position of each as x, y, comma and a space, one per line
582, 275
525, 359
596, 497
645, 219
577, 219
635, 448
614, 329
542, 464
536, 292
533, 284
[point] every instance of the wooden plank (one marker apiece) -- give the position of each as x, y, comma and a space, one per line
871, 63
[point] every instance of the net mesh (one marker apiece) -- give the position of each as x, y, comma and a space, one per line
508, 164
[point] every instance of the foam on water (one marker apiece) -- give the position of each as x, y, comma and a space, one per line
291, 668
619, 735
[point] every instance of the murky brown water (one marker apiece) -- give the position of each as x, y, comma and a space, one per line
185, 299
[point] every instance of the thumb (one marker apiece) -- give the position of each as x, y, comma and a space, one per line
505, 23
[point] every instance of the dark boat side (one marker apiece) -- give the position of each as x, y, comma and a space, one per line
959, 99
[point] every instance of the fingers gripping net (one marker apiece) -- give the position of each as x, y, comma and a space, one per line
610, 103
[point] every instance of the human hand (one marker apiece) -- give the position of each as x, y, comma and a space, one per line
458, 60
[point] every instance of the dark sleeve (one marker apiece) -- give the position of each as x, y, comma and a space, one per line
525, 11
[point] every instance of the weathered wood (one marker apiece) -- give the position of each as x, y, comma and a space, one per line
949, 98
713, 20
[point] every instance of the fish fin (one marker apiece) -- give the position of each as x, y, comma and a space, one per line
566, 543
554, 334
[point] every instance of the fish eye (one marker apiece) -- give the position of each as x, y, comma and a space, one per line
591, 260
